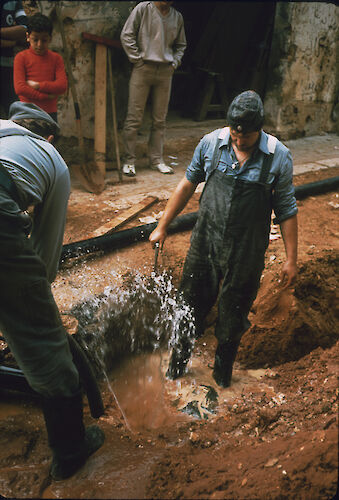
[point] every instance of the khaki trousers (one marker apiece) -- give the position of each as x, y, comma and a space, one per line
146, 78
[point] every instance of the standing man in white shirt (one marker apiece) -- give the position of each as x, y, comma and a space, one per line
154, 40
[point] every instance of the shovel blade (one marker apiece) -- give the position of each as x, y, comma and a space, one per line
90, 178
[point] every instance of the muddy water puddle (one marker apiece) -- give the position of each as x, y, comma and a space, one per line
148, 400
140, 388
151, 404
153, 407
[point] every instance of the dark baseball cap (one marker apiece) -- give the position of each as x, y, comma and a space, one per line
246, 112
22, 110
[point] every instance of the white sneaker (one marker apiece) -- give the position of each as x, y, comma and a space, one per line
129, 170
163, 168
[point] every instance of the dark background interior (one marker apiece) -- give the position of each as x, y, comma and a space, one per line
232, 39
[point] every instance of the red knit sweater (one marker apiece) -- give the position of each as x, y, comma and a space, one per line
48, 70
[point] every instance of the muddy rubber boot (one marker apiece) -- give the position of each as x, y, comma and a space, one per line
70, 442
225, 355
180, 356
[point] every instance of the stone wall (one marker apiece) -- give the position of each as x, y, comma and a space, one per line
301, 92
101, 18
302, 89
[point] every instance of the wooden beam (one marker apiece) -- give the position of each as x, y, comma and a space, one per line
100, 99
102, 40
126, 216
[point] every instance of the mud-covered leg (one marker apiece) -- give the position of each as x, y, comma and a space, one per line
198, 290
223, 362
233, 308
181, 353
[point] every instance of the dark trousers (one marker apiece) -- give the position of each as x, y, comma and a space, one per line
7, 94
29, 317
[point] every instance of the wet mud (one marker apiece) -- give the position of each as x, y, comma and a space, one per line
271, 435
312, 320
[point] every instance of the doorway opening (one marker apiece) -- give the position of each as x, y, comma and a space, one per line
228, 48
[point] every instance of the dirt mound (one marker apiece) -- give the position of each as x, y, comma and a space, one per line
288, 324
262, 447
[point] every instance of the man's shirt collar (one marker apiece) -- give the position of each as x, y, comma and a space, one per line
225, 137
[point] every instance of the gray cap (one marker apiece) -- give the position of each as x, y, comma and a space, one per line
246, 112
21, 110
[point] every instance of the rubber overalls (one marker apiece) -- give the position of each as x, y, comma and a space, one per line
226, 255
228, 246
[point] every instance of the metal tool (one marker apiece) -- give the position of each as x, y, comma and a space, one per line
156, 253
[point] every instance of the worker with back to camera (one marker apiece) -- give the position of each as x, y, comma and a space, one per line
248, 173
32, 172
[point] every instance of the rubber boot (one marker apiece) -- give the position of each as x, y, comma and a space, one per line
70, 442
180, 356
225, 355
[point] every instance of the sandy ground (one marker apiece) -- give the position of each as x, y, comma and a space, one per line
271, 435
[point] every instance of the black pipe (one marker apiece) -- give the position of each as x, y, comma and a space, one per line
318, 187
124, 238
14, 379
184, 222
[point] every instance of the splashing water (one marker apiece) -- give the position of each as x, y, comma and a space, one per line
143, 315
146, 313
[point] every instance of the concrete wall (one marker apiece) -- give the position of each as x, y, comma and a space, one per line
302, 88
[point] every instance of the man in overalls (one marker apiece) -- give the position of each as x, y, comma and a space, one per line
248, 174
32, 173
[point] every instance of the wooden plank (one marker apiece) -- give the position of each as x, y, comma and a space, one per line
100, 98
126, 216
114, 116
102, 40
202, 107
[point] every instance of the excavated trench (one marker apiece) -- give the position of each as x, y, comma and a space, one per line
130, 328
125, 332
126, 340
122, 326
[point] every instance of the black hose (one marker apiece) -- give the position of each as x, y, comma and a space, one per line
121, 239
124, 238
88, 379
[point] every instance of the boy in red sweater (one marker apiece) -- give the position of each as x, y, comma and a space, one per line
39, 73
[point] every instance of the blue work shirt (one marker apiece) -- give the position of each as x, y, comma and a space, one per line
280, 175
42, 179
